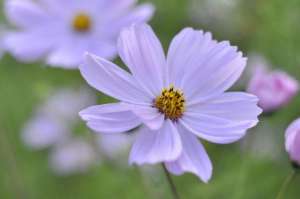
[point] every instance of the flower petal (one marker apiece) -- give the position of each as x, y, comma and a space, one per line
212, 66
291, 133
142, 52
156, 146
150, 116
29, 46
187, 47
223, 119
110, 118
24, 13
193, 158
112, 80
69, 53
140, 14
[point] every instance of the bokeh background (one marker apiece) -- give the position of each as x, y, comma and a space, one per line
255, 167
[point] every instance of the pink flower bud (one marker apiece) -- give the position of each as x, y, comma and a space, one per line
274, 89
292, 141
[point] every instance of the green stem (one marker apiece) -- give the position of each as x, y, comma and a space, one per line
285, 184
171, 183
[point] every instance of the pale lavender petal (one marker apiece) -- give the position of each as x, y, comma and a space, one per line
115, 8
140, 14
187, 47
157, 146
29, 46
209, 67
112, 80
25, 13
149, 115
110, 118
193, 158
142, 52
224, 119
105, 49
69, 53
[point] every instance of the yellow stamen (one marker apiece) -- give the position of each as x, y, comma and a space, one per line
82, 22
171, 103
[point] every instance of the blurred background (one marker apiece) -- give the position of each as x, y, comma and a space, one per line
254, 167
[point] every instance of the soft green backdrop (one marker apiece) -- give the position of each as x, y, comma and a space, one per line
269, 27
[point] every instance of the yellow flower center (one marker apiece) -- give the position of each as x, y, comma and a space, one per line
171, 103
82, 22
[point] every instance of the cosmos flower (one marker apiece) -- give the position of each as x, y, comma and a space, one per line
53, 127
292, 142
61, 31
52, 121
274, 89
173, 100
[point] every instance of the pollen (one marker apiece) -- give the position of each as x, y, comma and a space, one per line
82, 22
171, 103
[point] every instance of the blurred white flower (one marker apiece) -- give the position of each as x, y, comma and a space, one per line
73, 156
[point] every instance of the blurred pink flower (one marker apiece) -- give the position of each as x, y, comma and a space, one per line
173, 99
274, 89
74, 156
61, 31
292, 141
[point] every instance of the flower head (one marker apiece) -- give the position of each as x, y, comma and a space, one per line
61, 32
173, 100
292, 142
274, 89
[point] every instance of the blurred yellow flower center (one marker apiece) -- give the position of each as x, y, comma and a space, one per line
82, 22
171, 103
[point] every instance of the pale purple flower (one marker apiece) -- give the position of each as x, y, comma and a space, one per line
292, 141
74, 156
177, 99
43, 131
61, 31
274, 89
53, 120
